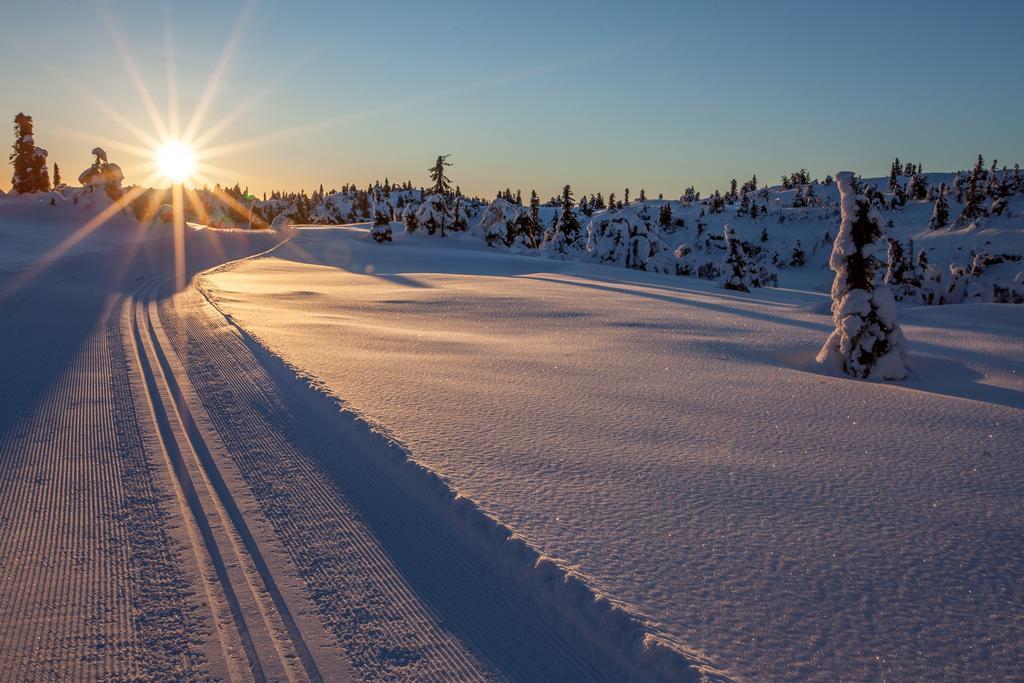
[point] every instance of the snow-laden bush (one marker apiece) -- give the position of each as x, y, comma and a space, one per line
500, 221
867, 342
437, 214
102, 175
629, 238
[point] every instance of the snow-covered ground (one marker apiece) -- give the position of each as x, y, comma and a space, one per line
676, 445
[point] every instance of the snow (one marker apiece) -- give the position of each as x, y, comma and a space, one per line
675, 446
30, 228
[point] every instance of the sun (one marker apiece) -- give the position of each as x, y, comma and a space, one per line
176, 161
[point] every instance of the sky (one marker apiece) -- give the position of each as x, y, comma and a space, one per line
528, 95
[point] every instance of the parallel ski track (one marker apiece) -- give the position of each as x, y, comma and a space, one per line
90, 585
385, 630
253, 613
341, 528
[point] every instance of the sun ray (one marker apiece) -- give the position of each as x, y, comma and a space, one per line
217, 128
109, 143
108, 111
212, 83
136, 78
74, 238
197, 204
178, 211
171, 74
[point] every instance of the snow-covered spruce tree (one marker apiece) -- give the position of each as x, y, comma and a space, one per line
565, 234
437, 176
433, 214
974, 198
31, 173
940, 212
409, 218
867, 342
532, 231
736, 270
901, 274
798, 258
917, 187
381, 230
57, 183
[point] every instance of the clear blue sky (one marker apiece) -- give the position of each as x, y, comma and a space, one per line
603, 95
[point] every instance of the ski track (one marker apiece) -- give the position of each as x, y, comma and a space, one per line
425, 602
174, 509
89, 582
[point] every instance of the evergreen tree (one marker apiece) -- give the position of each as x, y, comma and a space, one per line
764, 234
867, 342
31, 173
917, 188
535, 229
665, 216
736, 268
56, 175
974, 197
643, 195
626, 196
940, 212
437, 176
568, 224
381, 230
798, 258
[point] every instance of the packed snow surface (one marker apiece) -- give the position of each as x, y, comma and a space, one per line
676, 444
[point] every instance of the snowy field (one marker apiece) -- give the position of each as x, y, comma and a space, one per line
677, 446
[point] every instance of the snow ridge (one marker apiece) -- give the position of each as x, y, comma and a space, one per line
641, 648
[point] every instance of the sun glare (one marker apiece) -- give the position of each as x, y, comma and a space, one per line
176, 161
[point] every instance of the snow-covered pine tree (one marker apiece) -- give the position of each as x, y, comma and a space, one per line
437, 176
940, 212
917, 187
381, 230
533, 232
736, 270
31, 173
665, 216
56, 176
867, 342
901, 273
974, 198
565, 233
798, 259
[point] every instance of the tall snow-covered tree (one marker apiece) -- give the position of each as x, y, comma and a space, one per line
940, 212
31, 173
565, 233
867, 342
441, 181
56, 175
736, 269
382, 211
665, 216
